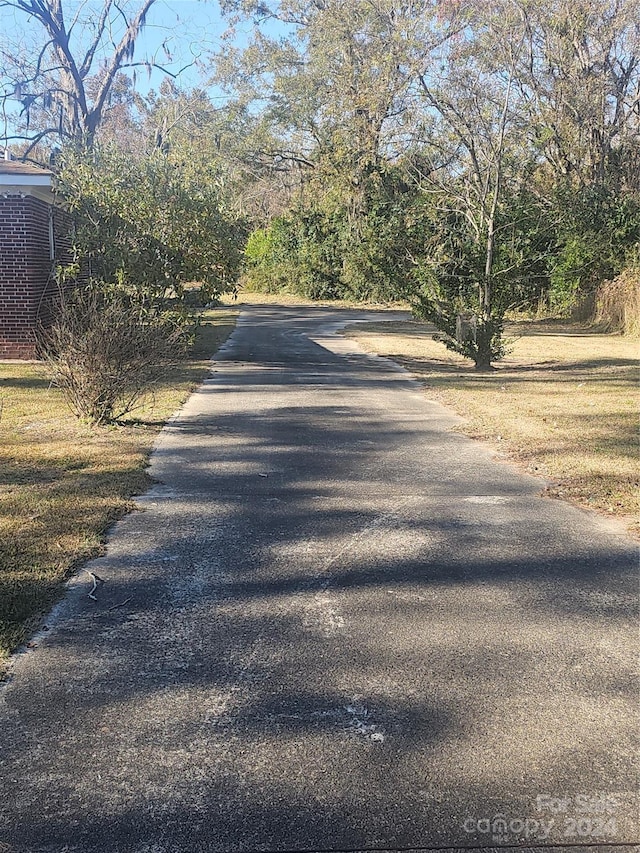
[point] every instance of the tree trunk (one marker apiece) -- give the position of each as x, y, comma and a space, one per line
484, 337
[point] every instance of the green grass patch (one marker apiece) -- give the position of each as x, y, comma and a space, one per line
63, 483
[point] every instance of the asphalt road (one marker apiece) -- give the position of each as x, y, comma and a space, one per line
334, 624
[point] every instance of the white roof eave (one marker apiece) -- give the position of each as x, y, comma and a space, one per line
39, 189
43, 180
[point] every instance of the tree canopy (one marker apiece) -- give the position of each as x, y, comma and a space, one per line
469, 158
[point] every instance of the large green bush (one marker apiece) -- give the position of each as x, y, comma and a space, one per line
598, 235
146, 226
449, 281
151, 223
331, 247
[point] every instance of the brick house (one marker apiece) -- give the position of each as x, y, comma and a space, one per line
35, 236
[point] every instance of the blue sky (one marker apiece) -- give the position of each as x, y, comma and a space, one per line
188, 26
179, 34
189, 29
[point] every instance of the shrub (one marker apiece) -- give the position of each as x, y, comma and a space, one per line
270, 257
156, 221
618, 303
598, 235
105, 350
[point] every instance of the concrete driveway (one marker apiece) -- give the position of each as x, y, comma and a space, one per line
334, 624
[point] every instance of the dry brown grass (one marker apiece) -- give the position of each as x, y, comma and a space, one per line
564, 404
256, 297
62, 482
617, 304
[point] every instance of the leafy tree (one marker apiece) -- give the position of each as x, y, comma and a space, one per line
472, 168
146, 226
152, 223
579, 70
579, 74
334, 90
334, 87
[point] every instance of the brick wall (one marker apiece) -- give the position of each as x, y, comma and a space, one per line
27, 284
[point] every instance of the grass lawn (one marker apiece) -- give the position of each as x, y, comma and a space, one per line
563, 404
62, 482
258, 297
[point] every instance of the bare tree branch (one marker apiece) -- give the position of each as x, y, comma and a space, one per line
123, 51
88, 58
56, 80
